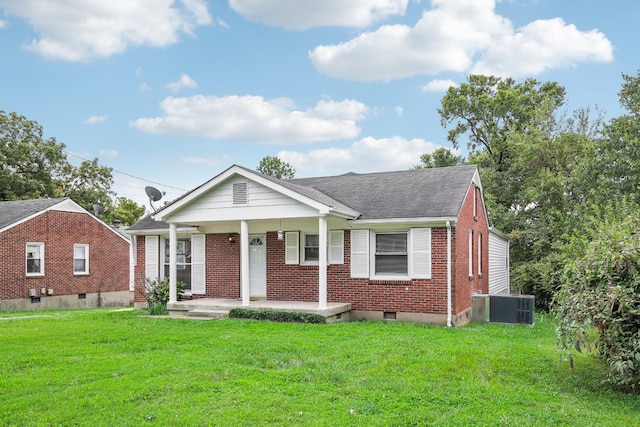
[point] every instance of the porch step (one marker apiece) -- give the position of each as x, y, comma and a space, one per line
214, 314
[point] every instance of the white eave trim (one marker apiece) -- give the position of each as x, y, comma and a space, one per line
161, 231
433, 220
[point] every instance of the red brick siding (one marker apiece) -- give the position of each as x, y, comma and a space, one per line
300, 283
465, 286
222, 267
59, 231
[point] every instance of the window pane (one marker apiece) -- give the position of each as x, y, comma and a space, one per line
391, 242
79, 265
391, 264
311, 247
33, 265
78, 252
33, 251
312, 254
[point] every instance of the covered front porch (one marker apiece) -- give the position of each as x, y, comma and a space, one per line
220, 307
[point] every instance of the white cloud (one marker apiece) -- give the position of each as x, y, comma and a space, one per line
301, 15
438, 86
535, 48
3, 24
109, 154
79, 31
398, 110
254, 119
143, 87
94, 120
185, 82
451, 36
222, 23
365, 155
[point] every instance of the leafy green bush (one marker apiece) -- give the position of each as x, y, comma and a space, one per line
598, 305
277, 316
158, 295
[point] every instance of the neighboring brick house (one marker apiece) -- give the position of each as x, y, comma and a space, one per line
55, 254
407, 245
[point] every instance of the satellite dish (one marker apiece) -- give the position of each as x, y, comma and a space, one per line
154, 195
98, 210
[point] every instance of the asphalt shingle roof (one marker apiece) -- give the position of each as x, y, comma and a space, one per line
14, 211
412, 193
415, 193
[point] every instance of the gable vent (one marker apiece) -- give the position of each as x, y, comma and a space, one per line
240, 193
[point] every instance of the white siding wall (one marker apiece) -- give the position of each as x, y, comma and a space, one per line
498, 264
262, 202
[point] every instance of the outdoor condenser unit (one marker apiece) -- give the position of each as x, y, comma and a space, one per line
511, 309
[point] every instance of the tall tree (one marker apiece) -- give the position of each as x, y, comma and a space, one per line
276, 167
488, 108
30, 165
440, 158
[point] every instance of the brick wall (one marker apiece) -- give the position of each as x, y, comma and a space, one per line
465, 285
300, 283
59, 231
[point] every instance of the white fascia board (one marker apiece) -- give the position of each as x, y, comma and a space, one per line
436, 221
160, 231
165, 213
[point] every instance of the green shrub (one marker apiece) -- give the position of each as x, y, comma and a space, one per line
277, 316
157, 295
598, 305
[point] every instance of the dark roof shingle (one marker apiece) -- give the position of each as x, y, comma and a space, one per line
14, 211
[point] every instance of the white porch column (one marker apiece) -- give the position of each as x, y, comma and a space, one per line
322, 263
244, 264
173, 269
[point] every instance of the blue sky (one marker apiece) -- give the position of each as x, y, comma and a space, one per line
171, 93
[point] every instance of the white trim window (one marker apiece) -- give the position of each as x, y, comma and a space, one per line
391, 254
34, 265
80, 259
311, 249
479, 254
470, 255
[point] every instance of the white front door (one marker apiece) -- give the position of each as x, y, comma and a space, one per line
258, 266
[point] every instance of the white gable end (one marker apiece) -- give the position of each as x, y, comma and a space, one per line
241, 198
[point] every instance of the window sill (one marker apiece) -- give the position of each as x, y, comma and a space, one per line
35, 275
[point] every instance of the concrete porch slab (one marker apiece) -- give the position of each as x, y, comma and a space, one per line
333, 312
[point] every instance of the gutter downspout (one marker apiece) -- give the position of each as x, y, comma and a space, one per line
449, 308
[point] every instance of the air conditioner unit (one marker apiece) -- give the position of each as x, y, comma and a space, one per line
512, 309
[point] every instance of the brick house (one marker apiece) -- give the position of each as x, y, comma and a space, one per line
408, 245
55, 254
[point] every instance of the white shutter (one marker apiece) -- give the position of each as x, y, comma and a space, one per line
198, 264
292, 252
360, 253
420, 255
336, 247
151, 270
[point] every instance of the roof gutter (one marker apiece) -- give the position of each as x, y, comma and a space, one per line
449, 308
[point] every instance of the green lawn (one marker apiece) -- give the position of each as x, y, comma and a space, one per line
121, 368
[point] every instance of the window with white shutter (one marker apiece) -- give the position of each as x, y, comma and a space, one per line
292, 252
360, 253
420, 253
152, 264
198, 264
336, 247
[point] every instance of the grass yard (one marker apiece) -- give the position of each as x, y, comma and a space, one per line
121, 368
